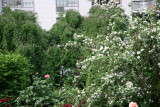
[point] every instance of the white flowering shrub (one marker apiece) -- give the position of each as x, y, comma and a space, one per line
121, 66
107, 80
104, 19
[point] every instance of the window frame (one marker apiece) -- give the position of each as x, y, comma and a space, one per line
142, 2
21, 6
63, 6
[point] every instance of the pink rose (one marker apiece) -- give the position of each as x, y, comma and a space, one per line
47, 76
18, 98
133, 104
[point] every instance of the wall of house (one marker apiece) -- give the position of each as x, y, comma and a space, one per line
84, 6
126, 7
46, 12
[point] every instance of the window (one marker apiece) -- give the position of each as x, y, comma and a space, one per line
17, 3
142, 5
27, 3
104, 1
61, 4
7, 3
67, 3
72, 3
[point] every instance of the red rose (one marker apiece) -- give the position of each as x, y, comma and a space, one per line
8, 99
71, 98
83, 102
3, 100
8, 105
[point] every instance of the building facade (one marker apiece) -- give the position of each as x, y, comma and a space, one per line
134, 6
48, 10
131, 6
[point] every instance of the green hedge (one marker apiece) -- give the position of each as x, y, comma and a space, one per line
14, 70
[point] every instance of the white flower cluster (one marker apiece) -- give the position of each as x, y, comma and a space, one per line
77, 36
70, 44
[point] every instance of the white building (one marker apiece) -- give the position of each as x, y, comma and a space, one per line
48, 10
133, 5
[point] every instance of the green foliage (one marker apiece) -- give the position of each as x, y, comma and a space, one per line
121, 65
16, 28
56, 54
100, 19
96, 11
67, 95
14, 70
6, 11
24, 16
61, 32
56, 57
65, 28
20, 33
7, 33
37, 95
73, 18
115, 61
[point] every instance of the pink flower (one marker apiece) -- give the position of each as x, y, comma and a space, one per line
47, 76
18, 98
133, 104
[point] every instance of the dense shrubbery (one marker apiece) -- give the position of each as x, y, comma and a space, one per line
121, 65
20, 33
64, 29
100, 20
38, 94
99, 61
14, 70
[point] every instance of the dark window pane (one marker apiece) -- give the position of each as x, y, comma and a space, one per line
60, 9
18, 3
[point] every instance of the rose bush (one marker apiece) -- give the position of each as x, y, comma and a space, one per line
5, 102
